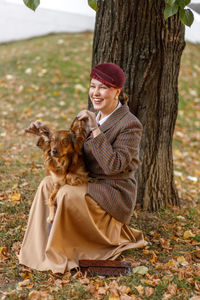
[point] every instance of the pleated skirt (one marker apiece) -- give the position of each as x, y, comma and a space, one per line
81, 230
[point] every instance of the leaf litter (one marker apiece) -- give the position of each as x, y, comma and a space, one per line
47, 78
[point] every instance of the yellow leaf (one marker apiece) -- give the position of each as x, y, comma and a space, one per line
181, 260
178, 153
142, 270
64, 116
15, 186
188, 234
27, 275
3, 250
140, 289
154, 258
113, 297
171, 263
55, 93
3, 254
16, 197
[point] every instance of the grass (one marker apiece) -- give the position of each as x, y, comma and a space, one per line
47, 79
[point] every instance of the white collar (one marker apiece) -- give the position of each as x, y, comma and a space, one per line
105, 118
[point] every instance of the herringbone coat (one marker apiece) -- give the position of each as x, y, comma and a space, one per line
112, 158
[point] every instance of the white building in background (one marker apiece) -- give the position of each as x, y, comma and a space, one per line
192, 34
53, 16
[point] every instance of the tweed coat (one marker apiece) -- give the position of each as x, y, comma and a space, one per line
112, 158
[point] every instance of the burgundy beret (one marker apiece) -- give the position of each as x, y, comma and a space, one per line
109, 74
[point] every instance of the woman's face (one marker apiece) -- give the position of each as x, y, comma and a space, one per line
104, 99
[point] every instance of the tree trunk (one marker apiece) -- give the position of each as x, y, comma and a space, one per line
134, 35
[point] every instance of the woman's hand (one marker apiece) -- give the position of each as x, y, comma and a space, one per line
90, 116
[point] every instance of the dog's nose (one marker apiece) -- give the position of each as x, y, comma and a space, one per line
55, 151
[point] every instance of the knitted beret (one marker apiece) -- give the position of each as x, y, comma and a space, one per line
109, 74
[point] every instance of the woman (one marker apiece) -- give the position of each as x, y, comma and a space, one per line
91, 220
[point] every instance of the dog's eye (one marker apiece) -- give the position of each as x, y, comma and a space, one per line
65, 141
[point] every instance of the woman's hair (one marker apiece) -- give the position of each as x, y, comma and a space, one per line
123, 98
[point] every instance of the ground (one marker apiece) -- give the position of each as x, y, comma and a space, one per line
47, 79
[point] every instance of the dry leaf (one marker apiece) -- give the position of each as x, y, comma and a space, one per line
24, 284
142, 270
3, 254
188, 234
40, 295
113, 297
16, 197
149, 291
172, 289
140, 289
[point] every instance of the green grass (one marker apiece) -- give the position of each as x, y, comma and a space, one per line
47, 79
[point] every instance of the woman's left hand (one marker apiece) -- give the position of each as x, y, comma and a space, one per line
90, 116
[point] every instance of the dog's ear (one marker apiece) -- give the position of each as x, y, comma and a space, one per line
78, 129
73, 137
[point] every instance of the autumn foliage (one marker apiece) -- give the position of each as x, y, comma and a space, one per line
47, 79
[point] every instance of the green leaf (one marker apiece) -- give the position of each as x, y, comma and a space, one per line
32, 4
170, 2
197, 237
93, 4
183, 3
142, 270
170, 11
186, 16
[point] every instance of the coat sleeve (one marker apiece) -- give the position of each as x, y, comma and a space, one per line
123, 154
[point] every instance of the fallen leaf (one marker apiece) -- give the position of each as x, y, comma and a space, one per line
172, 289
149, 291
140, 289
24, 284
188, 234
182, 261
142, 270
16, 197
197, 286
3, 254
113, 297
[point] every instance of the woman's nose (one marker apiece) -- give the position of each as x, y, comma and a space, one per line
96, 91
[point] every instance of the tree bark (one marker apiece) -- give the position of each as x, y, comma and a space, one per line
134, 35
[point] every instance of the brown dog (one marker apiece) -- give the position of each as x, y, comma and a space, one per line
63, 156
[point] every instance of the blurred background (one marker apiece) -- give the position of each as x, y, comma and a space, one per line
19, 22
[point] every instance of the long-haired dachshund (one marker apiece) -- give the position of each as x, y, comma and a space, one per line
63, 156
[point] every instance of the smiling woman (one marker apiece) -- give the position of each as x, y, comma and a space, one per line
91, 220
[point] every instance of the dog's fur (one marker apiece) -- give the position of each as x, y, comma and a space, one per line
63, 156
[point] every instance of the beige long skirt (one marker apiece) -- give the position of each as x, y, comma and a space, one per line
81, 230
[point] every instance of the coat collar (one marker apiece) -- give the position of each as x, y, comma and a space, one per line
115, 117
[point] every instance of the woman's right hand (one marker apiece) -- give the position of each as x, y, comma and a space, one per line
90, 116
